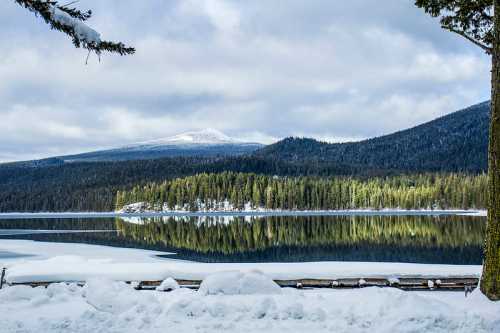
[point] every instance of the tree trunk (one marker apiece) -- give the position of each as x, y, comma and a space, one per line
490, 280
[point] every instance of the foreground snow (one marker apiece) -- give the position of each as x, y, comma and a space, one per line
81, 262
232, 297
106, 306
77, 268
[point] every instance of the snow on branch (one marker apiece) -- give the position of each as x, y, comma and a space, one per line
71, 22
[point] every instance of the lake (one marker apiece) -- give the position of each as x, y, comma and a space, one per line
440, 239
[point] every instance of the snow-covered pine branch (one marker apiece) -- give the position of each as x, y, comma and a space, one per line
71, 22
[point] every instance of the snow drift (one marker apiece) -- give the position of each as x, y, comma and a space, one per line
238, 283
107, 306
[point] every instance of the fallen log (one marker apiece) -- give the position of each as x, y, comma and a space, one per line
404, 283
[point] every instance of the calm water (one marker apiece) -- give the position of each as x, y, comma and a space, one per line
421, 239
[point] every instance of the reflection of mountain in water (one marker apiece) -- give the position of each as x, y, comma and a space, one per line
445, 239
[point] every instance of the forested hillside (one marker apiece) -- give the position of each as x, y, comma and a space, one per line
455, 142
237, 190
92, 186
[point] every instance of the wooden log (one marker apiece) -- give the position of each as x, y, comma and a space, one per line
2, 276
404, 283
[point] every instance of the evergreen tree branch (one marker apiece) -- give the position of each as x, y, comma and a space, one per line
486, 48
75, 13
70, 21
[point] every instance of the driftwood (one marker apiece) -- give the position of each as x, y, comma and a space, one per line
2, 276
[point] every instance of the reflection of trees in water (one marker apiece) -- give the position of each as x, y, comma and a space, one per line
466, 255
450, 239
425, 239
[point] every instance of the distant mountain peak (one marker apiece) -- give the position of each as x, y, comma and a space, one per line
205, 136
206, 142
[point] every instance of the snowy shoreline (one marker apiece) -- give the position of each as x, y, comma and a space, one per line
247, 303
81, 262
256, 213
242, 300
75, 268
107, 306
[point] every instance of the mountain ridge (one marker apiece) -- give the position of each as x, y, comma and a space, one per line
206, 142
455, 141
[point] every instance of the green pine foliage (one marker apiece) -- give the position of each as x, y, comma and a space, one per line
71, 25
211, 190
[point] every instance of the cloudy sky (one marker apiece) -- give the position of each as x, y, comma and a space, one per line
258, 70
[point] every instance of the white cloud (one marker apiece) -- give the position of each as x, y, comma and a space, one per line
23, 124
261, 70
446, 68
223, 16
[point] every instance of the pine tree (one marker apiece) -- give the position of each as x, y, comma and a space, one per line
478, 21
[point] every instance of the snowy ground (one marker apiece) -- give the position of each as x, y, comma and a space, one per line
106, 306
80, 262
232, 297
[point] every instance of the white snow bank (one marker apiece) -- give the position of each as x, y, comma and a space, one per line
102, 295
475, 213
169, 284
106, 306
75, 268
81, 262
238, 283
250, 212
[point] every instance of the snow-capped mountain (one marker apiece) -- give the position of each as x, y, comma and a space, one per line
207, 142
207, 136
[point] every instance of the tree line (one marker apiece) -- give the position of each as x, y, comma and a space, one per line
214, 191
52, 185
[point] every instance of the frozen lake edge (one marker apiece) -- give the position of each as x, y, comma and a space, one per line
384, 212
